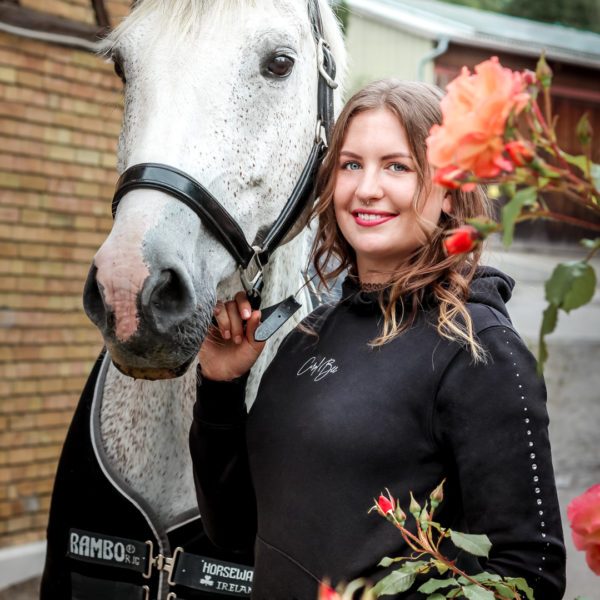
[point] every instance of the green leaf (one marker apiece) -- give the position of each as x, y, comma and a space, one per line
386, 561
483, 226
512, 209
522, 585
474, 592
477, 544
394, 583
409, 566
440, 597
548, 325
579, 161
571, 285
508, 188
591, 244
432, 585
481, 578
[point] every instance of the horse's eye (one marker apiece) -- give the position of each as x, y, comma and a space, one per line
118, 68
279, 66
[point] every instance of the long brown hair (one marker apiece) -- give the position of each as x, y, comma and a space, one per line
429, 272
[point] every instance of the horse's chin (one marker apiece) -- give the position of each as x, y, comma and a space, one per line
152, 370
152, 374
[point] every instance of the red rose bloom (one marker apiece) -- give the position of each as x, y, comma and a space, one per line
584, 514
462, 240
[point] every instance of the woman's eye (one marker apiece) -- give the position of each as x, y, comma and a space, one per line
398, 167
279, 66
351, 166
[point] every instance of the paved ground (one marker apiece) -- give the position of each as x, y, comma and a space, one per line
573, 380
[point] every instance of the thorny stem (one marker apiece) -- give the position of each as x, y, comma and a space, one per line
549, 135
548, 111
591, 254
547, 214
433, 550
461, 573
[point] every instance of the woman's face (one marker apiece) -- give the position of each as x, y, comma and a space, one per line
374, 191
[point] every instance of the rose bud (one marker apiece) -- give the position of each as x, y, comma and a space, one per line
520, 153
437, 496
385, 505
327, 593
462, 240
415, 507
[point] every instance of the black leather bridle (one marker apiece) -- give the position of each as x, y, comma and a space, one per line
176, 183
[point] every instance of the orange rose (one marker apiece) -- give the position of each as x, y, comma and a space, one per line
584, 514
474, 114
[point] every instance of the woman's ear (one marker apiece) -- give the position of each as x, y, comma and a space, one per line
447, 203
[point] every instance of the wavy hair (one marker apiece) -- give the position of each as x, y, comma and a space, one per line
428, 274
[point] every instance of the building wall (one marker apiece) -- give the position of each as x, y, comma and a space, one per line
377, 50
60, 112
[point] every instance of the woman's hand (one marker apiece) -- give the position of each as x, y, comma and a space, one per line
229, 350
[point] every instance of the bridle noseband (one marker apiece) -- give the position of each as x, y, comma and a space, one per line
179, 185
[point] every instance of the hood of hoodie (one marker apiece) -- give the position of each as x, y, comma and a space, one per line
491, 287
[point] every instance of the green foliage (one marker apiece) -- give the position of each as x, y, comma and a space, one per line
425, 543
478, 545
571, 285
512, 209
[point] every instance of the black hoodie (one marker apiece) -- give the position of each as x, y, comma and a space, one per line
337, 421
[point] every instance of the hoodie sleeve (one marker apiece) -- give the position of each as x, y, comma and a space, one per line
491, 419
220, 461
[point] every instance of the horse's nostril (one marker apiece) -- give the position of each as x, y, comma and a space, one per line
93, 302
167, 300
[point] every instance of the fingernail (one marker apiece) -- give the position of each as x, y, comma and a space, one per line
246, 313
238, 339
227, 334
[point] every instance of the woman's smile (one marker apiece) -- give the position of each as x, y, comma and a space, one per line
371, 218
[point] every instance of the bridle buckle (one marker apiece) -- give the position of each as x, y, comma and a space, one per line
251, 275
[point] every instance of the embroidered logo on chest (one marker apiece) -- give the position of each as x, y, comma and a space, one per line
318, 368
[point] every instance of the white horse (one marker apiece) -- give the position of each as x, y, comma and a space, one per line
225, 91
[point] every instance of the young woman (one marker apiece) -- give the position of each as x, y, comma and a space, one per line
414, 376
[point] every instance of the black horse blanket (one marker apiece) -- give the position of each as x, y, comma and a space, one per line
104, 543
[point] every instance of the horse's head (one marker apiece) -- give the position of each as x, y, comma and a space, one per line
227, 93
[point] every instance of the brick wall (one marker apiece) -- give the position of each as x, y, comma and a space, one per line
59, 122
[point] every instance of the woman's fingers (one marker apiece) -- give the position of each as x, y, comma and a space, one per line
235, 321
222, 317
243, 305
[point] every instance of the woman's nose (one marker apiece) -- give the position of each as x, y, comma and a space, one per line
369, 187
